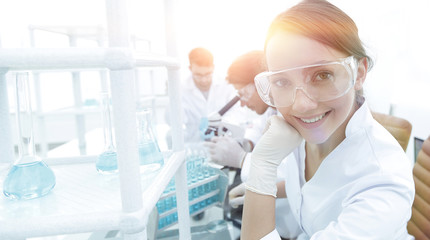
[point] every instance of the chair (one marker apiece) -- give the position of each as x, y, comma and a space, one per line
419, 224
398, 127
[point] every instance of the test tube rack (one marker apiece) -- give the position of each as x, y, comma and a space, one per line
207, 187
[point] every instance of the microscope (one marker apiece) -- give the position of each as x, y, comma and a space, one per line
214, 126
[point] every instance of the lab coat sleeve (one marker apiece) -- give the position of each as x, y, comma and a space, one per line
378, 208
274, 235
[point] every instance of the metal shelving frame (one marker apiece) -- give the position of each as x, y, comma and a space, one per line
119, 59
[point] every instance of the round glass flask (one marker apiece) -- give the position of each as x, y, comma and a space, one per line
29, 177
107, 161
150, 156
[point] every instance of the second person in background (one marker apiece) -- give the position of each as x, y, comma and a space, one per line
229, 152
202, 93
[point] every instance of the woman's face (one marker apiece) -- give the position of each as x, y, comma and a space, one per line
316, 121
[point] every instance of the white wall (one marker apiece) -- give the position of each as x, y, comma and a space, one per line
396, 33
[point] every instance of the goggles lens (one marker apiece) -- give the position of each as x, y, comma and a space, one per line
320, 82
246, 92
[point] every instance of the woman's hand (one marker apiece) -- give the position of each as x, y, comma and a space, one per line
277, 142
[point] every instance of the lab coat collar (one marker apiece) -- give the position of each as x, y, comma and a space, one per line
361, 118
190, 88
189, 84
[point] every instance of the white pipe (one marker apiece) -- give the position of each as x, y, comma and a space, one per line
6, 143
115, 58
61, 58
79, 119
176, 110
152, 60
156, 189
124, 108
77, 97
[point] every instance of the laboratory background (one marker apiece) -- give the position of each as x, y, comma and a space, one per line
67, 104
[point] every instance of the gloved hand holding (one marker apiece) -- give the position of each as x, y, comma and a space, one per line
277, 142
236, 195
225, 151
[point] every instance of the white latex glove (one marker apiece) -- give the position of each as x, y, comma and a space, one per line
277, 142
225, 151
236, 195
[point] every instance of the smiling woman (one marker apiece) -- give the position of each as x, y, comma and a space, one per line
339, 160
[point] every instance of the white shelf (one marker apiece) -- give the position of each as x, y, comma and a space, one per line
18, 59
83, 200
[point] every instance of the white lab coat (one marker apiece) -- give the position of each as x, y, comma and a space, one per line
196, 106
363, 189
286, 224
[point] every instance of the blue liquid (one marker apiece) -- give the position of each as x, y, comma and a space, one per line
162, 223
196, 173
107, 162
161, 206
29, 180
168, 203
150, 156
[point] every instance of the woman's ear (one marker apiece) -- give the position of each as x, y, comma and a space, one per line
361, 73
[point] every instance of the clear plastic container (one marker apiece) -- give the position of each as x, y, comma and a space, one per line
29, 177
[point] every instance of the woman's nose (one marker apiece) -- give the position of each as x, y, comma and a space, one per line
302, 102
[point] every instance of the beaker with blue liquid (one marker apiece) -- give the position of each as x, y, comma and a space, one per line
107, 161
150, 156
29, 177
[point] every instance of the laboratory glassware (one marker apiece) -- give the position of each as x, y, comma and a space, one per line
207, 187
150, 156
107, 161
29, 177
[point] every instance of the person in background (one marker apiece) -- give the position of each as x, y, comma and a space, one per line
229, 152
202, 93
346, 175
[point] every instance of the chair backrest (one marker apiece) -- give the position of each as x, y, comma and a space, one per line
419, 224
398, 127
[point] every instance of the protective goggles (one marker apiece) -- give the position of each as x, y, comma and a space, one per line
246, 92
320, 82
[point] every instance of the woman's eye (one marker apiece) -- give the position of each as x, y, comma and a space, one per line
322, 76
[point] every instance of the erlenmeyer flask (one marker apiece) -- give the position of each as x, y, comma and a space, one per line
150, 155
107, 161
29, 176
